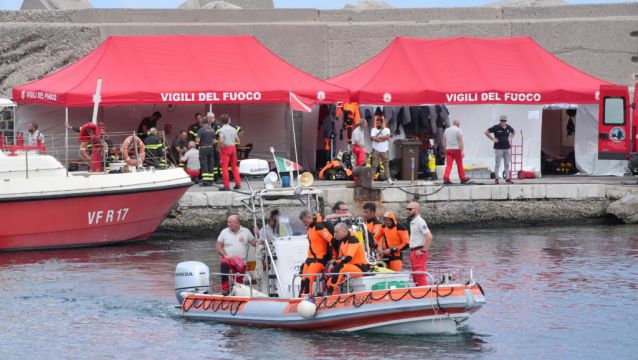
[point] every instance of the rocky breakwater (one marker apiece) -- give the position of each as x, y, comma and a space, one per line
624, 205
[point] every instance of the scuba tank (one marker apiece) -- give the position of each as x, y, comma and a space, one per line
431, 162
358, 233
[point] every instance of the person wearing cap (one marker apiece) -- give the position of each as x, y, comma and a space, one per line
391, 241
501, 135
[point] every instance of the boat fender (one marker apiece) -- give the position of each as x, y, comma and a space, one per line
469, 299
307, 308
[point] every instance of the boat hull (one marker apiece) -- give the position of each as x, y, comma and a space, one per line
417, 310
85, 219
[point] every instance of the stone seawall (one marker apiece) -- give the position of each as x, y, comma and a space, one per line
599, 39
442, 206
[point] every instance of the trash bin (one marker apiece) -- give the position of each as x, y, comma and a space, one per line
408, 151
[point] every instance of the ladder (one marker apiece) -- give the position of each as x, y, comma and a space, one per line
516, 157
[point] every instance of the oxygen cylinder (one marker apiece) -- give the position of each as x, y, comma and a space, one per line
431, 162
358, 233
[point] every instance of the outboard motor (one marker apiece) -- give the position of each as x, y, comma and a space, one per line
191, 276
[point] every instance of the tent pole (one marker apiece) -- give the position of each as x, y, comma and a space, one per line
96, 100
66, 139
294, 141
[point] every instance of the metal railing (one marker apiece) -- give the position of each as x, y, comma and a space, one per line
348, 276
74, 154
214, 275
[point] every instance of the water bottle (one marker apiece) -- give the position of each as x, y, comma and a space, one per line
284, 226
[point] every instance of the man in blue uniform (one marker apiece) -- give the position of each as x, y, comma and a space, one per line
206, 140
501, 135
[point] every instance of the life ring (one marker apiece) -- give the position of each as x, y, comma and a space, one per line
89, 132
126, 147
84, 153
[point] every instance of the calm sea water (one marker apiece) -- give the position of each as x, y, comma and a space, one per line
558, 293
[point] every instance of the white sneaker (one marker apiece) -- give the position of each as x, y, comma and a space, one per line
390, 181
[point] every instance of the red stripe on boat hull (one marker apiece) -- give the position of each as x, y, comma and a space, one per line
345, 324
86, 220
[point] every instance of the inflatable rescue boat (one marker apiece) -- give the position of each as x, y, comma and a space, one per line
379, 301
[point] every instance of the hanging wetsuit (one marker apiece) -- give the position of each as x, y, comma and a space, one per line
319, 252
351, 117
352, 259
394, 238
328, 131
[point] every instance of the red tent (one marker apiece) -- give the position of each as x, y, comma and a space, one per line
178, 69
467, 71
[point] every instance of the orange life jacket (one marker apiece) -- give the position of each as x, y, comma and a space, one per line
394, 236
353, 251
319, 239
373, 225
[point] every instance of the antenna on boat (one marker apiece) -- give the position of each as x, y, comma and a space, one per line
274, 157
96, 100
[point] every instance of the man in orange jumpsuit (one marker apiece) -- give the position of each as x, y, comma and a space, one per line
351, 258
373, 225
319, 250
391, 240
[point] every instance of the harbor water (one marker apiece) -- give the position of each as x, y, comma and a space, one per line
552, 293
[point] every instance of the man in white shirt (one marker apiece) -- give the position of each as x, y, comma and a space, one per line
359, 143
420, 241
34, 135
228, 152
453, 144
191, 159
380, 136
232, 246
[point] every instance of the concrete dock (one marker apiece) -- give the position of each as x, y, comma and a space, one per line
549, 200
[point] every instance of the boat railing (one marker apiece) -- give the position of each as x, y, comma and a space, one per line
388, 278
247, 280
75, 154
